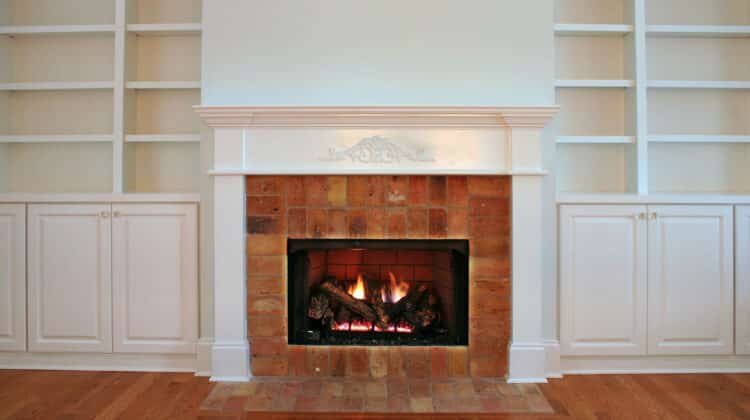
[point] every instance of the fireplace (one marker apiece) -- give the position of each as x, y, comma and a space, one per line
378, 292
378, 173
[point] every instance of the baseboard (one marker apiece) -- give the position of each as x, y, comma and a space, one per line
203, 356
552, 359
99, 362
230, 361
527, 363
654, 364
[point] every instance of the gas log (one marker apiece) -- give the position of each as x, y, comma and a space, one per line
331, 302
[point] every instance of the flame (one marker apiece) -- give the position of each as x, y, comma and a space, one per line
395, 290
357, 290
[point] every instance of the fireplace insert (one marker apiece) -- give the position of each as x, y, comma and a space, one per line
378, 292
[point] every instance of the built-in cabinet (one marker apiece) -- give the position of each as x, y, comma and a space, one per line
12, 277
155, 279
742, 261
102, 278
644, 279
70, 288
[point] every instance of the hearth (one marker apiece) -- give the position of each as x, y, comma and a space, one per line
378, 292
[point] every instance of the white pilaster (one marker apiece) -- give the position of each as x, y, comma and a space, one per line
528, 357
231, 351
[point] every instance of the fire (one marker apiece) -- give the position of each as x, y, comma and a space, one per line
395, 290
357, 290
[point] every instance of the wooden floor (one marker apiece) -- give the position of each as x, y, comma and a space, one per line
87, 395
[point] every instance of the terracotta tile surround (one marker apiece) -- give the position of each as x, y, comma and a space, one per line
476, 208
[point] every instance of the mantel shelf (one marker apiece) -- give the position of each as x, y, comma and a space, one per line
593, 83
578, 29
709, 31
56, 86
655, 198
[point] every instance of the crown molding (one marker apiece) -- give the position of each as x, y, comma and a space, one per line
385, 116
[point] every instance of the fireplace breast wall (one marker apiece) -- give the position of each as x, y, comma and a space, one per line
474, 208
415, 173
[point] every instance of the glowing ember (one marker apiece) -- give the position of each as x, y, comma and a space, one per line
395, 290
344, 326
389, 328
403, 327
361, 326
357, 290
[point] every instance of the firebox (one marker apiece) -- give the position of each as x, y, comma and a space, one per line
378, 292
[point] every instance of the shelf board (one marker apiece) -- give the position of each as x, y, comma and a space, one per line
56, 29
163, 138
164, 85
74, 138
100, 197
697, 138
592, 29
710, 31
599, 83
698, 84
165, 29
595, 139
655, 198
57, 86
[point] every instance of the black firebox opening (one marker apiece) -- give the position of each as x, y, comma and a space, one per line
378, 292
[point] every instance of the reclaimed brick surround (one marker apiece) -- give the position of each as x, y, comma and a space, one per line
476, 208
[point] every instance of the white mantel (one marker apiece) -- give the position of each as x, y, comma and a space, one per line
377, 140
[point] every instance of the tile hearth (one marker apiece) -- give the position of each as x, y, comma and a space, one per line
395, 395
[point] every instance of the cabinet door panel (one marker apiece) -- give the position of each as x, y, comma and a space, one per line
69, 278
603, 280
155, 278
691, 278
742, 261
12, 277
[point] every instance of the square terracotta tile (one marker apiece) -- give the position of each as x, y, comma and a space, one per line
438, 190
417, 190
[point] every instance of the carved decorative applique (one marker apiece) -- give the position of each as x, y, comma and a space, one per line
378, 149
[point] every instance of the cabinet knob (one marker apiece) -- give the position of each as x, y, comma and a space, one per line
104, 214
116, 214
642, 216
654, 216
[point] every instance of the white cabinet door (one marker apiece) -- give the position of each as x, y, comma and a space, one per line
12, 277
691, 278
603, 280
155, 280
742, 261
69, 278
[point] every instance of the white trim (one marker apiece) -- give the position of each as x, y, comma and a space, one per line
163, 138
552, 358
368, 171
604, 198
527, 363
655, 364
98, 362
230, 362
98, 198
697, 138
204, 348
392, 116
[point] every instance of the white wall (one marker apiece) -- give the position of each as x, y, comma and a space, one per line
380, 52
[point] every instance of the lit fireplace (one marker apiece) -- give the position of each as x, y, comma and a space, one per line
378, 292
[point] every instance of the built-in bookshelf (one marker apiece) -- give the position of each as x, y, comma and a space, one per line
96, 96
655, 96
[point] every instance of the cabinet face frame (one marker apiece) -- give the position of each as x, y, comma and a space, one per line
742, 261
126, 280
659, 342
39, 274
13, 277
635, 250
